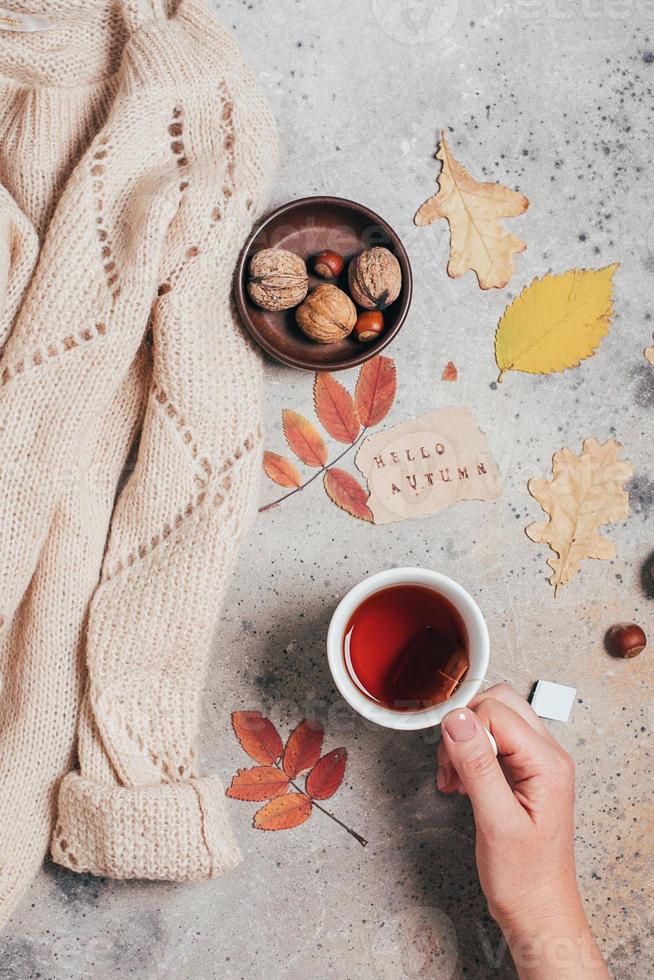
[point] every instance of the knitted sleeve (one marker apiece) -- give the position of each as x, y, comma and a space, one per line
41, 650
138, 807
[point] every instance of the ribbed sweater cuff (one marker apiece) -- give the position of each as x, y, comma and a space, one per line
171, 832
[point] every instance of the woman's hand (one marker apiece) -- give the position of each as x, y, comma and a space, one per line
523, 803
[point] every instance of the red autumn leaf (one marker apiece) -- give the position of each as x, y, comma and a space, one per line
335, 408
259, 783
303, 748
375, 390
258, 736
327, 775
283, 813
304, 439
450, 372
347, 493
281, 470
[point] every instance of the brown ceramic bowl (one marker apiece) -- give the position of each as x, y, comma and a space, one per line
308, 226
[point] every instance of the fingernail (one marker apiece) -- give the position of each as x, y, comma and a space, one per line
442, 774
461, 725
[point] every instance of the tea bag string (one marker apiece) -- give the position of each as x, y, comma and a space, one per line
471, 680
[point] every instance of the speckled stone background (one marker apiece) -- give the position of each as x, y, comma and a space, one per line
554, 98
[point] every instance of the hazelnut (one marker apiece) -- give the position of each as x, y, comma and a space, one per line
329, 264
369, 325
277, 279
327, 315
626, 640
375, 278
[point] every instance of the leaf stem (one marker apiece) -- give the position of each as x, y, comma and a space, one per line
323, 469
353, 833
362, 840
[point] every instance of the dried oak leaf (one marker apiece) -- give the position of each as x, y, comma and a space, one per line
258, 736
347, 493
285, 812
450, 372
585, 492
375, 390
304, 439
281, 470
478, 240
327, 775
335, 408
649, 354
257, 784
303, 748
556, 322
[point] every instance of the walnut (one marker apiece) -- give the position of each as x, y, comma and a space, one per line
277, 279
327, 315
375, 278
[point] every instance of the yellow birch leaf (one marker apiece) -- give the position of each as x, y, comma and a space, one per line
556, 322
478, 240
585, 492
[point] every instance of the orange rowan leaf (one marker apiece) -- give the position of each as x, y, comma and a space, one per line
375, 390
335, 408
450, 372
258, 736
259, 783
303, 748
285, 812
327, 775
347, 493
280, 470
304, 439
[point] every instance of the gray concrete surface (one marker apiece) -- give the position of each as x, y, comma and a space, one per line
554, 98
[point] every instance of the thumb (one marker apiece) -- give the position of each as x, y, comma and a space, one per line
470, 753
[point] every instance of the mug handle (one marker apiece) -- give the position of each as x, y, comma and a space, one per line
492, 741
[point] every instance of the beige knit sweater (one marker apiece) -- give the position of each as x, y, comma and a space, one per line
134, 151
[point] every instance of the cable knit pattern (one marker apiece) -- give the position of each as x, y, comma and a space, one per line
161, 148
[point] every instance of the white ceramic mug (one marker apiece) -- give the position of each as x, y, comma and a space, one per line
478, 647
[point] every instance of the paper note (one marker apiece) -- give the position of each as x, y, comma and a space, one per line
424, 465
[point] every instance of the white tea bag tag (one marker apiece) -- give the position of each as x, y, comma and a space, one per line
15, 20
553, 701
